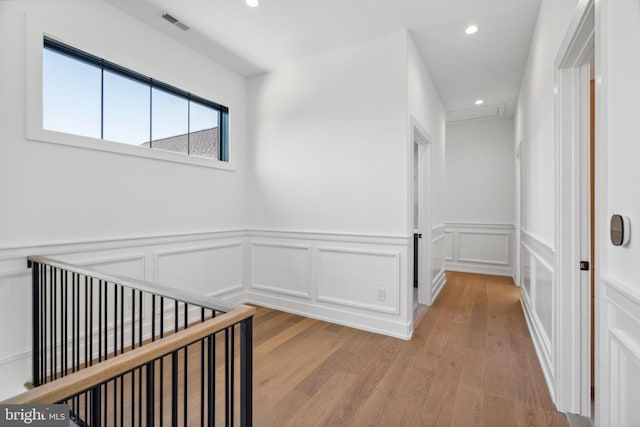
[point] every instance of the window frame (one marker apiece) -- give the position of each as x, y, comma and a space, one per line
86, 50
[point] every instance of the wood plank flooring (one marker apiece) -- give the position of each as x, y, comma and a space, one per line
471, 362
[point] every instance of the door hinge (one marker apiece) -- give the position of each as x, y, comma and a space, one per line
584, 265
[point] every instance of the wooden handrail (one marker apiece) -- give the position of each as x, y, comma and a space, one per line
88, 378
141, 285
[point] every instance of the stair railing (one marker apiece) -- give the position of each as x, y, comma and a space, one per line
121, 351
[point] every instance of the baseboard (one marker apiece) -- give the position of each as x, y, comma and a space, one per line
539, 346
495, 270
330, 314
438, 284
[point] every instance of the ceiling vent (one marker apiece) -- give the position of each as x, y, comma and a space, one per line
477, 113
175, 21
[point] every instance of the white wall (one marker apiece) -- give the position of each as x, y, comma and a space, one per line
160, 221
534, 119
329, 184
88, 194
327, 152
480, 196
427, 112
618, 285
535, 132
480, 172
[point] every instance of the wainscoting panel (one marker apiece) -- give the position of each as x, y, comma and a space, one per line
438, 277
183, 261
448, 246
480, 248
525, 265
359, 278
209, 269
282, 268
15, 317
544, 300
538, 301
621, 364
483, 248
356, 280
133, 265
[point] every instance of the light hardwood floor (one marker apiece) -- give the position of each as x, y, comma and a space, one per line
471, 362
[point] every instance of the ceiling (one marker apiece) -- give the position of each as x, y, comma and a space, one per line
488, 65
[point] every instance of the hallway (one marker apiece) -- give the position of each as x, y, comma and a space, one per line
470, 362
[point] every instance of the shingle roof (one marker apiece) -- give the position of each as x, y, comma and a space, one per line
202, 143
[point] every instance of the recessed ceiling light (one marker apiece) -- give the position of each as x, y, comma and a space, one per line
471, 29
252, 3
479, 102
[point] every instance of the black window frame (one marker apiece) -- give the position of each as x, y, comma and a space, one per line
103, 64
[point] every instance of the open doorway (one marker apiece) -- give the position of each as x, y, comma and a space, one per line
421, 219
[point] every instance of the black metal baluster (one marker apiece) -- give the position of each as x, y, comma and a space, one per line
86, 323
106, 325
115, 321
104, 407
43, 323
35, 301
175, 316
174, 389
52, 325
133, 398
153, 317
211, 380
96, 401
202, 376
226, 378
133, 346
161, 363
140, 369
185, 393
186, 315
133, 319
140, 319
56, 325
246, 372
115, 393
232, 332
140, 396
151, 394
121, 399
64, 318
121, 319
91, 323
100, 321
78, 320
174, 370
73, 322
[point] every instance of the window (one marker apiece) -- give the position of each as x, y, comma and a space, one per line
89, 96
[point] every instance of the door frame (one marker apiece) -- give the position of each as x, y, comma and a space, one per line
418, 135
572, 238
